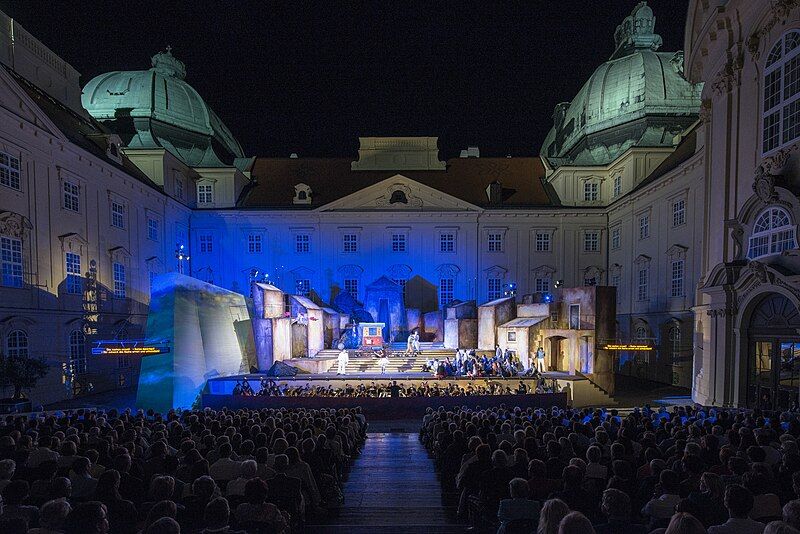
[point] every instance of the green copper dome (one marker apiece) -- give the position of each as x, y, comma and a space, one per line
639, 97
157, 108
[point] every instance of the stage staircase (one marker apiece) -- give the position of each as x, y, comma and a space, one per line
399, 362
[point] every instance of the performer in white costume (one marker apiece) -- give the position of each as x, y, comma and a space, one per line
410, 343
342, 360
384, 363
416, 343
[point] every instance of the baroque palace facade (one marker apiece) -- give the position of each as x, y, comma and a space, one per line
658, 177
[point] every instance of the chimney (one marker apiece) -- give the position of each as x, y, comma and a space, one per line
494, 191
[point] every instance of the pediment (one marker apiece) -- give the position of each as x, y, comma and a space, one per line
399, 193
24, 107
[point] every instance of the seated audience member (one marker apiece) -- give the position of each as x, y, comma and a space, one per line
739, 502
575, 523
553, 511
766, 505
257, 512
217, 517
780, 527
225, 468
249, 470
87, 518
616, 507
14, 497
52, 516
83, 484
122, 515
7, 469
660, 509
577, 498
286, 491
519, 508
791, 513
683, 523
163, 525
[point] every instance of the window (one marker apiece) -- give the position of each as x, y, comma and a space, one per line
152, 229
350, 242
641, 332
179, 188
71, 196
17, 344
543, 242
151, 276
615, 238
302, 243
11, 252
495, 242
254, 243
676, 287
9, 171
402, 283
511, 335
674, 336
206, 244
644, 227
398, 242
590, 191
495, 288
351, 286
678, 212
643, 289
446, 286
74, 281
773, 233
77, 352
205, 193
781, 104
542, 285
119, 281
303, 286
617, 186
117, 215
447, 242
591, 241
615, 279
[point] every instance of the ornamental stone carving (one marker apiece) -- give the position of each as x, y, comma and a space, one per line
398, 195
705, 111
779, 10
13, 224
728, 78
764, 185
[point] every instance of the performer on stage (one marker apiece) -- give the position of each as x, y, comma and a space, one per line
540, 360
416, 342
384, 363
410, 344
342, 361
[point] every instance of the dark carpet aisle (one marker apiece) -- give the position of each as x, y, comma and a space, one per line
392, 488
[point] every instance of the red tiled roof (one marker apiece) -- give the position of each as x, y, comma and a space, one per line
331, 179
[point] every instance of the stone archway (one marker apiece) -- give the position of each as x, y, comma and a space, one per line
770, 352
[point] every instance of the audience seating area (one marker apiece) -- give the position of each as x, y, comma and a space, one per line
209, 471
685, 471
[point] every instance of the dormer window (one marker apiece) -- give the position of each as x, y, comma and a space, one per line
773, 232
302, 194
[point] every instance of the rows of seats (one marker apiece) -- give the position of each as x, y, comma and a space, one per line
209, 471
686, 470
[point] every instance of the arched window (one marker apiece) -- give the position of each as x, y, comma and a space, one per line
641, 332
674, 336
781, 104
77, 351
17, 344
773, 232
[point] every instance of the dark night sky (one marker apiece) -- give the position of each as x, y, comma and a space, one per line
311, 77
